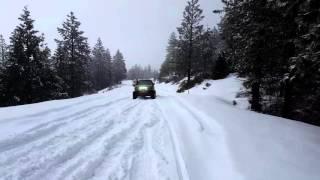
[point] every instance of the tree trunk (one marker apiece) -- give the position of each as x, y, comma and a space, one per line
287, 103
190, 60
256, 97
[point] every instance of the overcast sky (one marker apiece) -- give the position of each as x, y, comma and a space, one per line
139, 28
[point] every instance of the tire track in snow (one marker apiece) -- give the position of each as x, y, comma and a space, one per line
185, 124
68, 152
129, 157
200, 117
162, 146
66, 129
141, 159
193, 115
144, 161
121, 151
50, 127
180, 162
109, 147
99, 143
50, 111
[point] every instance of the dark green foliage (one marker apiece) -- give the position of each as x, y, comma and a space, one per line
195, 52
3, 52
168, 67
101, 67
189, 35
27, 76
138, 72
119, 70
304, 74
220, 68
275, 45
72, 58
255, 47
206, 53
3, 59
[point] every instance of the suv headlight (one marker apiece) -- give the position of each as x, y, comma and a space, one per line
142, 88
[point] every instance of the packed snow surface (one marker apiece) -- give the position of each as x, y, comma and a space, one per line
197, 136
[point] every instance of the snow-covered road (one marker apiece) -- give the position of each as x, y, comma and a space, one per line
110, 136
102, 136
98, 137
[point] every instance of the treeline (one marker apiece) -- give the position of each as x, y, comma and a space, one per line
139, 72
196, 53
275, 44
29, 74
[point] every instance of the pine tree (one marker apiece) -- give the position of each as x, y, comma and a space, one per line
72, 57
275, 44
304, 74
108, 62
119, 71
208, 53
189, 35
3, 52
220, 67
138, 72
168, 67
3, 59
101, 70
256, 46
27, 77
135, 72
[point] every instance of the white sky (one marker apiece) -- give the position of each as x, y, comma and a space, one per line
139, 28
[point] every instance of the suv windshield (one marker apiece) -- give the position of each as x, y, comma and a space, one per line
145, 82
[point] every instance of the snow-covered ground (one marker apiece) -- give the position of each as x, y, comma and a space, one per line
195, 136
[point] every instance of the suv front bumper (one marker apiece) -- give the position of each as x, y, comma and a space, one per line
145, 93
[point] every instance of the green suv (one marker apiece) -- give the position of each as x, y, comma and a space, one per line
144, 88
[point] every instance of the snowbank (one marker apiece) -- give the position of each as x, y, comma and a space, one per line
220, 141
225, 90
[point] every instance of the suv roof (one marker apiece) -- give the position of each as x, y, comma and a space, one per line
145, 82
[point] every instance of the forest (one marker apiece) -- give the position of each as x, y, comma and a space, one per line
139, 72
273, 44
29, 73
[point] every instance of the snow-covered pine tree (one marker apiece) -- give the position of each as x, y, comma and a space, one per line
137, 72
189, 36
304, 75
220, 67
275, 44
3, 59
119, 71
3, 51
168, 67
108, 62
27, 76
72, 57
101, 70
254, 34
207, 54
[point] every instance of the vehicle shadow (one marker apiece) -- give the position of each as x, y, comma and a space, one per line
146, 98
149, 98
